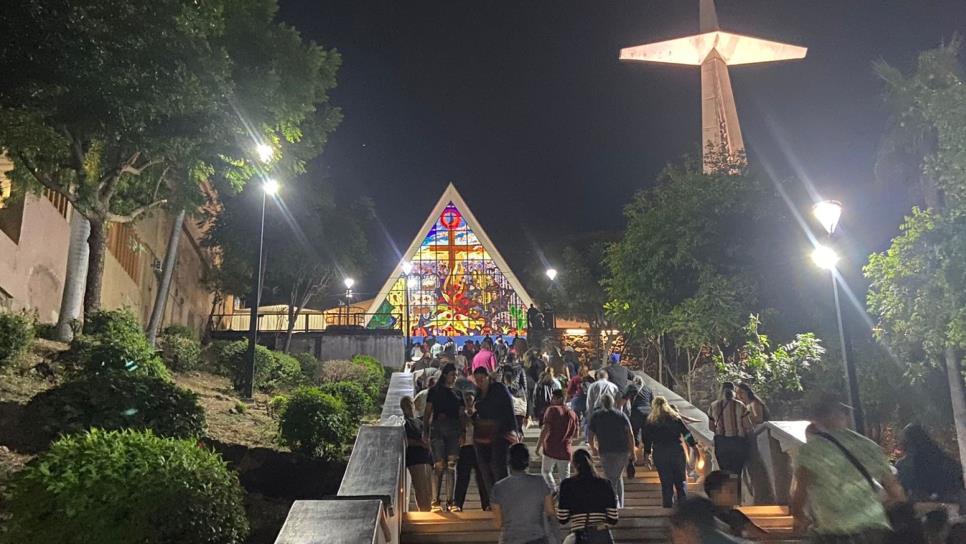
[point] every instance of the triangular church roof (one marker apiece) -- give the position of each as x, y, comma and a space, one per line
451, 196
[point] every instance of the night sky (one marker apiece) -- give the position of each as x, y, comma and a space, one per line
525, 106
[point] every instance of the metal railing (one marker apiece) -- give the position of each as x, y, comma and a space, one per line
305, 322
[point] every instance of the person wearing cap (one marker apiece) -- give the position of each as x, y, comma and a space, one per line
442, 428
839, 476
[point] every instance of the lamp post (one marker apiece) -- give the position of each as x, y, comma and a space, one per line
269, 188
407, 269
828, 213
349, 282
550, 322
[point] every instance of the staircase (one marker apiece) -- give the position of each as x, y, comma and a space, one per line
642, 520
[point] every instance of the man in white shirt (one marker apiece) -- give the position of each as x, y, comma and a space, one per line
595, 392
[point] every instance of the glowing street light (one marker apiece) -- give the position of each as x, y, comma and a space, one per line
828, 213
264, 152
407, 267
271, 187
825, 257
349, 282
552, 273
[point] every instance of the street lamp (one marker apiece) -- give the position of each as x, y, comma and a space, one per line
348, 282
828, 213
550, 319
270, 187
407, 269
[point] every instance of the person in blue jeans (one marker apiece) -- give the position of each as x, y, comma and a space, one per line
663, 435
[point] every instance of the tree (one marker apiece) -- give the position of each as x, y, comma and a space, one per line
123, 107
310, 240
687, 271
918, 286
772, 371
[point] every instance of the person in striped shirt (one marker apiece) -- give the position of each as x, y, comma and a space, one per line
731, 422
587, 502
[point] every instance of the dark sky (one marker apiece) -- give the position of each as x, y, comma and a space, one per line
524, 105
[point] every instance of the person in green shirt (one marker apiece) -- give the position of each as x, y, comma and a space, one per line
832, 497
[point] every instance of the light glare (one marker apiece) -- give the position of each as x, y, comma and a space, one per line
349, 282
828, 213
270, 186
552, 273
407, 267
825, 257
265, 152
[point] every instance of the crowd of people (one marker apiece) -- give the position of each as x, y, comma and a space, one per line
473, 403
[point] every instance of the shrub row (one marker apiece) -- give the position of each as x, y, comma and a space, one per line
114, 342
16, 333
125, 486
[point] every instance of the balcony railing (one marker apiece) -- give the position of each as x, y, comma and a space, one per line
305, 322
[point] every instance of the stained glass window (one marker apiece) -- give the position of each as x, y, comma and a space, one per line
455, 287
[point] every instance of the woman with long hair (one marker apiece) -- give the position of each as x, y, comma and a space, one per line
543, 393
730, 421
755, 472
926, 471
664, 432
587, 502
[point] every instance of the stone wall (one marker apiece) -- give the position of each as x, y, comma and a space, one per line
33, 263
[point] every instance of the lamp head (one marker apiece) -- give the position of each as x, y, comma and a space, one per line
825, 257
265, 152
552, 273
407, 267
349, 282
270, 186
828, 213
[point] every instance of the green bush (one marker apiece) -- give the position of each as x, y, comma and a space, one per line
180, 353
112, 323
375, 374
16, 334
125, 487
310, 365
180, 331
276, 406
115, 401
342, 371
115, 343
315, 423
287, 371
356, 401
272, 370
47, 331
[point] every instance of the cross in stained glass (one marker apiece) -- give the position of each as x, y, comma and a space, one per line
451, 219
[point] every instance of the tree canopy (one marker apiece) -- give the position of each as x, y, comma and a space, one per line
126, 106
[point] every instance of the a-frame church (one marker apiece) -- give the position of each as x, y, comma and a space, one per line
459, 285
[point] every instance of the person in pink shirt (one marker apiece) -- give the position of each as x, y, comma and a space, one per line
485, 358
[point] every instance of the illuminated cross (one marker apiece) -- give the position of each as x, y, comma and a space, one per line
451, 220
714, 51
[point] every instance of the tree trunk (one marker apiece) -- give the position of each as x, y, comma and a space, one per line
660, 359
97, 243
164, 285
75, 277
954, 375
293, 314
